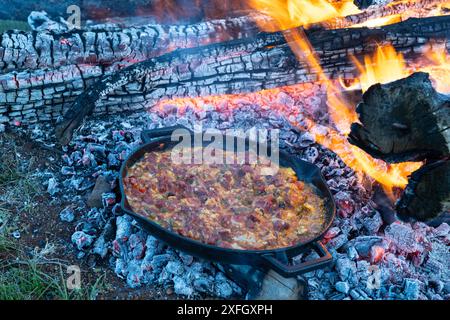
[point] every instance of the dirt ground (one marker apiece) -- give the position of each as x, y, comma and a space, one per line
34, 239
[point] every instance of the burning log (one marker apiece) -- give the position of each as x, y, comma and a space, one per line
393, 11
32, 50
246, 65
408, 120
50, 69
427, 194
404, 120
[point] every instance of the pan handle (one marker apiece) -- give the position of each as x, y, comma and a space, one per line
149, 135
286, 270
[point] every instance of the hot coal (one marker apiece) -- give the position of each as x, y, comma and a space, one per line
67, 214
373, 258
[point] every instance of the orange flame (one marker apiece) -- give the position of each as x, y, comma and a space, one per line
342, 113
388, 175
386, 65
438, 68
288, 14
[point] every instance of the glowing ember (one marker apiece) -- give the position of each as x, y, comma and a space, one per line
382, 21
407, 9
287, 14
384, 66
388, 175
376, 254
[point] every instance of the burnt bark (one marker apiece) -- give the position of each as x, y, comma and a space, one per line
21, 50
415, 9
408, 120
403, 120
43, 72
247, 65
428, 193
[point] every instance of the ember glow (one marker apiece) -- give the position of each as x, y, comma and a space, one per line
382, 21
343, 114
388, 175
385, 65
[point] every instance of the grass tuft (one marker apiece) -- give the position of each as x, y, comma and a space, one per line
18, 187
28, 281
27, 274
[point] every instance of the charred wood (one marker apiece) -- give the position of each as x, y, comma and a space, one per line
408, 120
247, 65
51, 69
21, 50
403, 120
427, 195
363, 4
411, 8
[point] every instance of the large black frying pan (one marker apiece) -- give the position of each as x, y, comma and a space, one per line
276, 259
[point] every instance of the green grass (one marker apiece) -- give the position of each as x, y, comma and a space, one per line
27, 274
9, 172
24, 283
29, 281
18, 187
6, 244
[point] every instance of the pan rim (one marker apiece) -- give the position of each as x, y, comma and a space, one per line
157, 141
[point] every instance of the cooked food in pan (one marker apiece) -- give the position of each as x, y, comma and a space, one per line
226, 205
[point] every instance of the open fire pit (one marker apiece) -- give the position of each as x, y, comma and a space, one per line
358, 90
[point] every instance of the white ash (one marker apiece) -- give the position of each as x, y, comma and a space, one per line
381, 3
372, 259
372, 4
82, 240
67, 214
52, 186
16, 234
